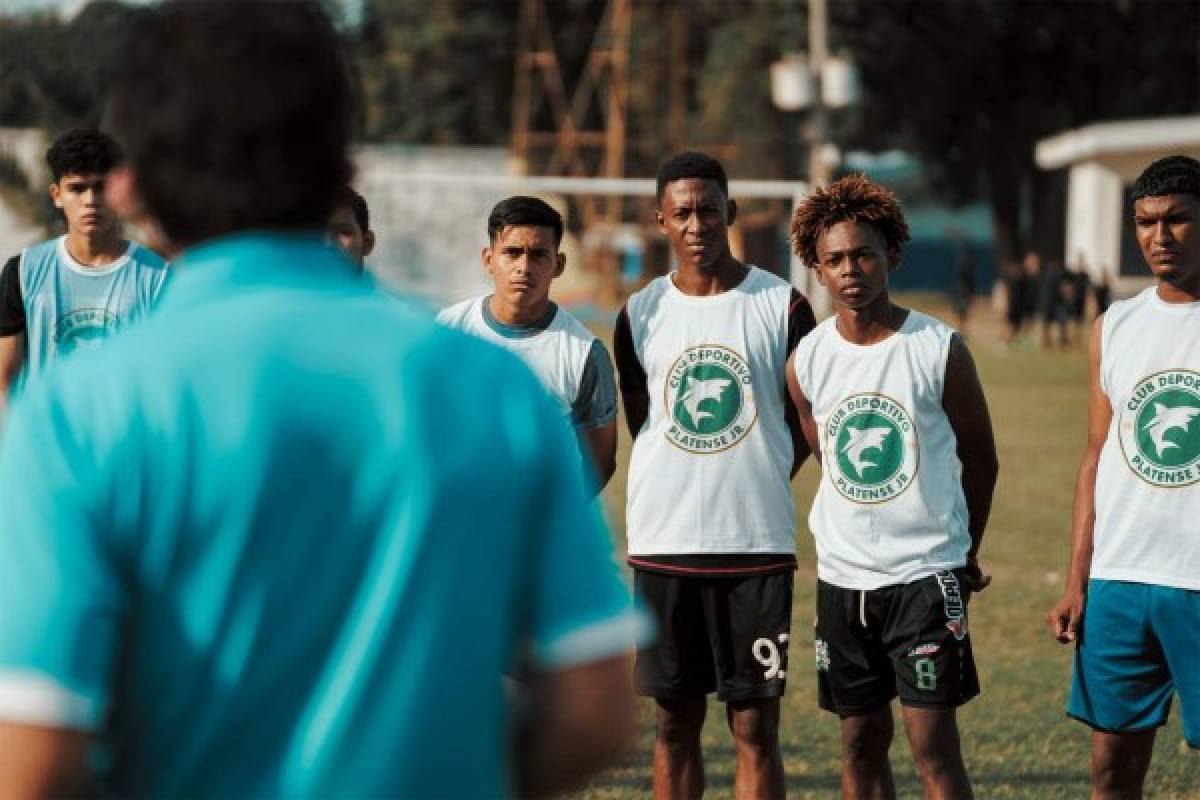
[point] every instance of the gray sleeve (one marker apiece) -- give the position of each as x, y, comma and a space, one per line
596, 404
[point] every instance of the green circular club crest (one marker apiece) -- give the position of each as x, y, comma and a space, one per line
83, 327
871, 451
1159, 428
710, 399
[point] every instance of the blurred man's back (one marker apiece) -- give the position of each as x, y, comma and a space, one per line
284, 537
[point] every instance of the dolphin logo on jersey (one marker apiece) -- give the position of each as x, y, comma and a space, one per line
861, 440
1166, 420
700, 390
709, 398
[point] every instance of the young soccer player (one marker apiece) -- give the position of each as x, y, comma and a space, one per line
349, 227
701, 355
890, 403
522, 257
71, 291
284, 537
1132, 600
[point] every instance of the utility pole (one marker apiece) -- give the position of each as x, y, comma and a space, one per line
818, 46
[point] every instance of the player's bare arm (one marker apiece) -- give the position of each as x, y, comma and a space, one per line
635, 394
580, 720
801, 321
802, 409
967, 411
37, 762
800, 446
1064, 619
601, 445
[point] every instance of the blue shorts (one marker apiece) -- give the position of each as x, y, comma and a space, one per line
1138, 647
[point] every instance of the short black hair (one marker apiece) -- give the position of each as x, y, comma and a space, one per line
83, 151
233, 115
690, 164
523, 210
358, 205
1170, 175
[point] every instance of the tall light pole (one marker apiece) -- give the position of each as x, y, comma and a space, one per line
818, 43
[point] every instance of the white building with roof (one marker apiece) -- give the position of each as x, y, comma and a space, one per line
1104, 159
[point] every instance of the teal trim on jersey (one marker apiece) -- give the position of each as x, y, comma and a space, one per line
292, 534
516, 331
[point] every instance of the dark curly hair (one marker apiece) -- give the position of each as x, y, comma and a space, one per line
83, 151
1170, 175
853, 198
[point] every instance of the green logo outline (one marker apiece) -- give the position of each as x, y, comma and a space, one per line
1149, 433
703, 417
906, 445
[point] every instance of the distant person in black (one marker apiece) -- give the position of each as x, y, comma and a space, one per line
1079, 286
1016, 284
963, 285
1103, 292
1052, 303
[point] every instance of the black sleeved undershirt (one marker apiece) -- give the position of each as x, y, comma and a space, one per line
800, 320
629, 369
12, 306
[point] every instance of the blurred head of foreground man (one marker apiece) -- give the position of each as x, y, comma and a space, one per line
253, 548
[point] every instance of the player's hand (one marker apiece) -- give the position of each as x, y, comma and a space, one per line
974, 578
1065, 618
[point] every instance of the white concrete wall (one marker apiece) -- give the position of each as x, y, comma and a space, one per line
429, 233
1094, 198
15, 232
28, 147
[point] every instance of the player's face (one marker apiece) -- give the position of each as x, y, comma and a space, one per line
852, 263
1168, 233
695, 215
522, 261
343, 230
81, 199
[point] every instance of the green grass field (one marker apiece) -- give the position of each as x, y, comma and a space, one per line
1017, 741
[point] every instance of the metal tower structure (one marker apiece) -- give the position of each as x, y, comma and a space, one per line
572, 139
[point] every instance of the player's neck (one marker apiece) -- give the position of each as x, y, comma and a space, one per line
726, 274
96, 251
1184, 292
508, 313
872, 323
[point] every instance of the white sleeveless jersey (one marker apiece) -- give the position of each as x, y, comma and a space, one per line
69, 306
557, 355
890, 507
1148, 480
710, 469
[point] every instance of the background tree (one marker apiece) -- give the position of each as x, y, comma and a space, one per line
967, 85
971, 85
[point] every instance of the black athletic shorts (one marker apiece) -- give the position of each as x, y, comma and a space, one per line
725, 634
909, 640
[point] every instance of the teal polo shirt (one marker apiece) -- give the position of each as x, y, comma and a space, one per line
284, 536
